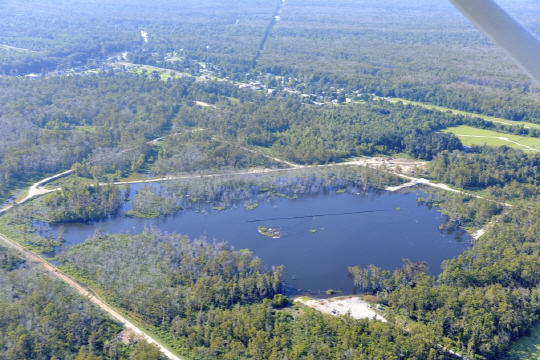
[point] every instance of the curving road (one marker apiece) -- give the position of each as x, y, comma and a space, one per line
37, 189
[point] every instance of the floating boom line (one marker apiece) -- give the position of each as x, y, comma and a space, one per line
310, 216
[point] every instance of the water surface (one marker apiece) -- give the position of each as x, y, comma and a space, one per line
316, 261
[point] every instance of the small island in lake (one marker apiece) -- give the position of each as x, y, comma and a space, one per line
274, 233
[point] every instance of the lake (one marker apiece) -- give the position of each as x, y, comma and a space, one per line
314, 261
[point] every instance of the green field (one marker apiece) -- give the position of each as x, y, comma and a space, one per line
489, 118
164, 73
473, 136
528, 347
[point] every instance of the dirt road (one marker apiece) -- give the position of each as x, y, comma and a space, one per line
96, 300
16, 48
37, 189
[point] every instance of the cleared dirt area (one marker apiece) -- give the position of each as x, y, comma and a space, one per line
393, 164
342, 305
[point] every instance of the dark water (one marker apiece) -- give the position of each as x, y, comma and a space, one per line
318, 261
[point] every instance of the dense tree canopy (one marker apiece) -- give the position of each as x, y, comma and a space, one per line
42, 318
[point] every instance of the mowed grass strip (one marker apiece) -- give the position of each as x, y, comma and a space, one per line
492, 138
485, 117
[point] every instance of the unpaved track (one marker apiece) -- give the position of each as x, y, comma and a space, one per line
37, 190
93, 298
500, 138
17, 48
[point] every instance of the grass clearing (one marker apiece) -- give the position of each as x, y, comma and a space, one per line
163, 73
528, 347
485, 117
473, 136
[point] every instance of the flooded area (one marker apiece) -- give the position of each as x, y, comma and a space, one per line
320, 234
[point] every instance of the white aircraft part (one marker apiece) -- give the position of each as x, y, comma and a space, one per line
519, 43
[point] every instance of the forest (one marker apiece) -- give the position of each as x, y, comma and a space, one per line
56, 124
417, 50
212, 303
307, 134
389, 49
81, 203
100, 126
507, 174
484, 299
51, 125
64, 33
202, 298
42, 318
